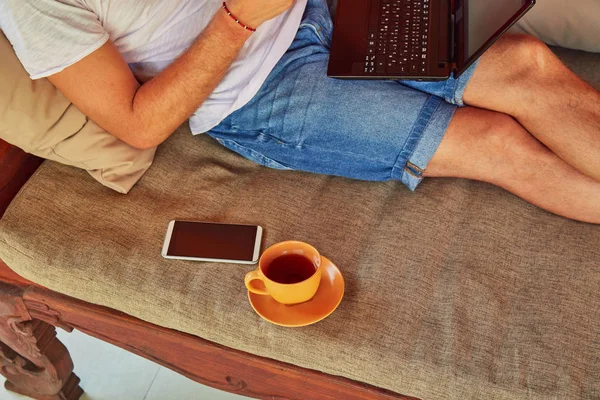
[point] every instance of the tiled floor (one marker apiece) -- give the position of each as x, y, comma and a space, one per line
110, 373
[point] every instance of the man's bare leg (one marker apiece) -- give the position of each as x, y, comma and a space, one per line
520, 76
493, 147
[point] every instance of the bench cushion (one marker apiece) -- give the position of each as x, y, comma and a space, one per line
458, 290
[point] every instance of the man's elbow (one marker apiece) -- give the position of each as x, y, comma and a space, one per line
142, 139
143, 144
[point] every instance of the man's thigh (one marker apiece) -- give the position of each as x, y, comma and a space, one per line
369, 130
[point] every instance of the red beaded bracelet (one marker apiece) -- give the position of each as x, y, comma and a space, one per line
233, 17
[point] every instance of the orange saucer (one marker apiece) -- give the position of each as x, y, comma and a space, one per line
328, 297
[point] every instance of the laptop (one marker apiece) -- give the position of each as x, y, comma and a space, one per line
416, 39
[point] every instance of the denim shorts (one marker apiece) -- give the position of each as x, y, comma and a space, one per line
370, 130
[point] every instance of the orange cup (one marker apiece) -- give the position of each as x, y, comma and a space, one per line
286, 262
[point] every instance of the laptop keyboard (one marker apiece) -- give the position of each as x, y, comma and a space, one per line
397, 37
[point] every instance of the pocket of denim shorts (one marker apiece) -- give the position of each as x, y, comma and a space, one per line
252, 155
318, 20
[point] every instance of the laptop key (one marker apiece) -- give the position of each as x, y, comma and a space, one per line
397, 69
397, 39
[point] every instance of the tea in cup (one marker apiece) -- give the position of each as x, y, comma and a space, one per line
290, 273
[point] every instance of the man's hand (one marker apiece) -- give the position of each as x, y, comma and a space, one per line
102, 86
255, 12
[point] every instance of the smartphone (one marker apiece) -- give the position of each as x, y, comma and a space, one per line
207, 241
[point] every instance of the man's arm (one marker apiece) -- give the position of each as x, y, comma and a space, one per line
102, 86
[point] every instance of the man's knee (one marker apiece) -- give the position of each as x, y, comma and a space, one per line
526, 56
513, 72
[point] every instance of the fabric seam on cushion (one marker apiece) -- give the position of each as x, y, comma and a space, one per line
17, 250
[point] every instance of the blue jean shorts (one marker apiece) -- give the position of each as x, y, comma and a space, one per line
369, 130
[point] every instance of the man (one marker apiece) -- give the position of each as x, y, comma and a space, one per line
141, 68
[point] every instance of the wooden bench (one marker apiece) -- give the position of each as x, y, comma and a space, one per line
37, 365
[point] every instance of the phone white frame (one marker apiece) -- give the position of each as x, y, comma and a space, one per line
257, 242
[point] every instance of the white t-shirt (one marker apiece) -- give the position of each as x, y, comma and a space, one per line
50, 35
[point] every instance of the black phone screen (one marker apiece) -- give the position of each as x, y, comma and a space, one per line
212, 240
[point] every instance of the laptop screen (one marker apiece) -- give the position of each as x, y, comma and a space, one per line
480, 23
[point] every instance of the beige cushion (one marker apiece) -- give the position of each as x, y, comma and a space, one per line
36, 117
459, 290
572, 24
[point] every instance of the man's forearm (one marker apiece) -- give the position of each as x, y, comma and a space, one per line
103, 87
163, 103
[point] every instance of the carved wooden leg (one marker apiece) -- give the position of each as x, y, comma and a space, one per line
34, 362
